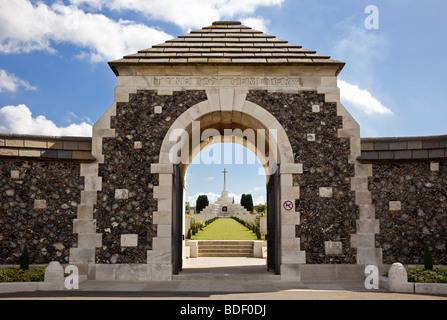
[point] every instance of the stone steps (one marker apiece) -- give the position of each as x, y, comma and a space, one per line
218, 248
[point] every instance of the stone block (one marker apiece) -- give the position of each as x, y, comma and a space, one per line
40, 204
395, 206
363, 240
88, 197
290, 244
369, 256
193, 248
401, 145
84, 146
161, 272
288, 231
370, 155
333, 247
362, 170
367, 211
362, 197
419, 154
311, 137
290, 272
54, 277
414, 145
368, 146
89, 240
129, 240
386, 155
82, 155
325, 192
295, 257
162, 168
161, 244
121, 194
164, 231
160, 257
290, 217
84, 226
61, 154
89, 169
105, 272
430, 144
165, 204
29, 153
70, 145
436, 153
398, 279
82, 255
9, 152
162, 192
381, 146
35, 144
434, 166
14, 143
290, 193
54, 144
15, 174
316, 108
138, 145
403, 154
359, 183
367, 226
291, 168
162, 217
226, 98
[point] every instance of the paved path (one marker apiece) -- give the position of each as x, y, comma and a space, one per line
223, 279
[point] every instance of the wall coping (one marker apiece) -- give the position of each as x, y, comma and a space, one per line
14, 145
40, 147
404, 148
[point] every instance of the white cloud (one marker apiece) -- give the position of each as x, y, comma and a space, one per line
10, 82
361, 99
188, 14
19, 119
256, 23
26, 27
361, 50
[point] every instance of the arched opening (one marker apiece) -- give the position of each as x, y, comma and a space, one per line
223, 173
257, 130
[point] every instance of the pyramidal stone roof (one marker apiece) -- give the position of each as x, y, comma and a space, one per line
225, 43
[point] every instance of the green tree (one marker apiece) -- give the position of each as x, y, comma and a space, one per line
201, 203
247, 202
428, 259
24, 259
260, 208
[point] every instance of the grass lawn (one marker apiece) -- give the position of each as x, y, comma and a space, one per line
225, 229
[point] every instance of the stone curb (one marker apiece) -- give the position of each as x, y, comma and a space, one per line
396, 284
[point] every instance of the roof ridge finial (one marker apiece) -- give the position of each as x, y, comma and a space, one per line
227, 23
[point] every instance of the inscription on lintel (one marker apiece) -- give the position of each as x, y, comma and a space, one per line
228, 81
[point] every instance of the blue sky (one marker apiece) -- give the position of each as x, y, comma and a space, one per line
54, 77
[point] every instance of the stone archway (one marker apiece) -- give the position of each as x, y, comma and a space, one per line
124, 217
271, 143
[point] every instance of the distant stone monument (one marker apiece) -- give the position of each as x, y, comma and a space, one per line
224, 206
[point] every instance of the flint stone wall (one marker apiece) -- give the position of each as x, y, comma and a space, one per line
40, 194
39, 201
140, 125
327, 205
420, 215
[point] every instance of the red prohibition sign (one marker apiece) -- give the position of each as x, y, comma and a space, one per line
288, 205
